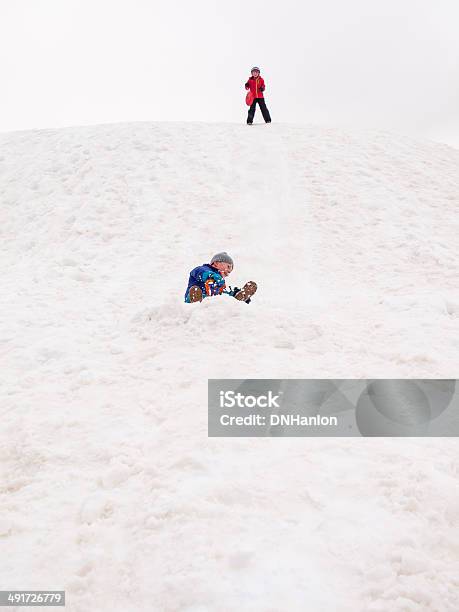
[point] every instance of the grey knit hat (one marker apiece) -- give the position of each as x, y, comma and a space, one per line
223, 256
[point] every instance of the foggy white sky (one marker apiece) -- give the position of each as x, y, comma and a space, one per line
392, 64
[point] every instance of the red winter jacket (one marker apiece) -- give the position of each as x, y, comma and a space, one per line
256, 86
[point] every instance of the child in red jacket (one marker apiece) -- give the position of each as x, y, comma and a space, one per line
256, 85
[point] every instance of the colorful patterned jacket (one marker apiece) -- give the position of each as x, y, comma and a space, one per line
208, 279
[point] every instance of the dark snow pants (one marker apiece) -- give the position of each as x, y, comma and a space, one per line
264, 110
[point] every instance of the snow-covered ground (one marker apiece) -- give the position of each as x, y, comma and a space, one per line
110, 488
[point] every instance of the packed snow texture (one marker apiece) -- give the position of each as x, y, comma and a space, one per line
110, 488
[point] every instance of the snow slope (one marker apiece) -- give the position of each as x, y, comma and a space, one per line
110, 487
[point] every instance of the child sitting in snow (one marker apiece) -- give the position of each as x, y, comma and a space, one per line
209, 279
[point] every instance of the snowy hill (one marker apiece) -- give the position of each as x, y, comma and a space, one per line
111, 488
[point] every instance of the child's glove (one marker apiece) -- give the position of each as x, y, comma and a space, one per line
232, 291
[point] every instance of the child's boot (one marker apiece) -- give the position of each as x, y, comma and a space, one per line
246, 292
195, 294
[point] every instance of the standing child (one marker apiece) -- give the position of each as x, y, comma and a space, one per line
256, 86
